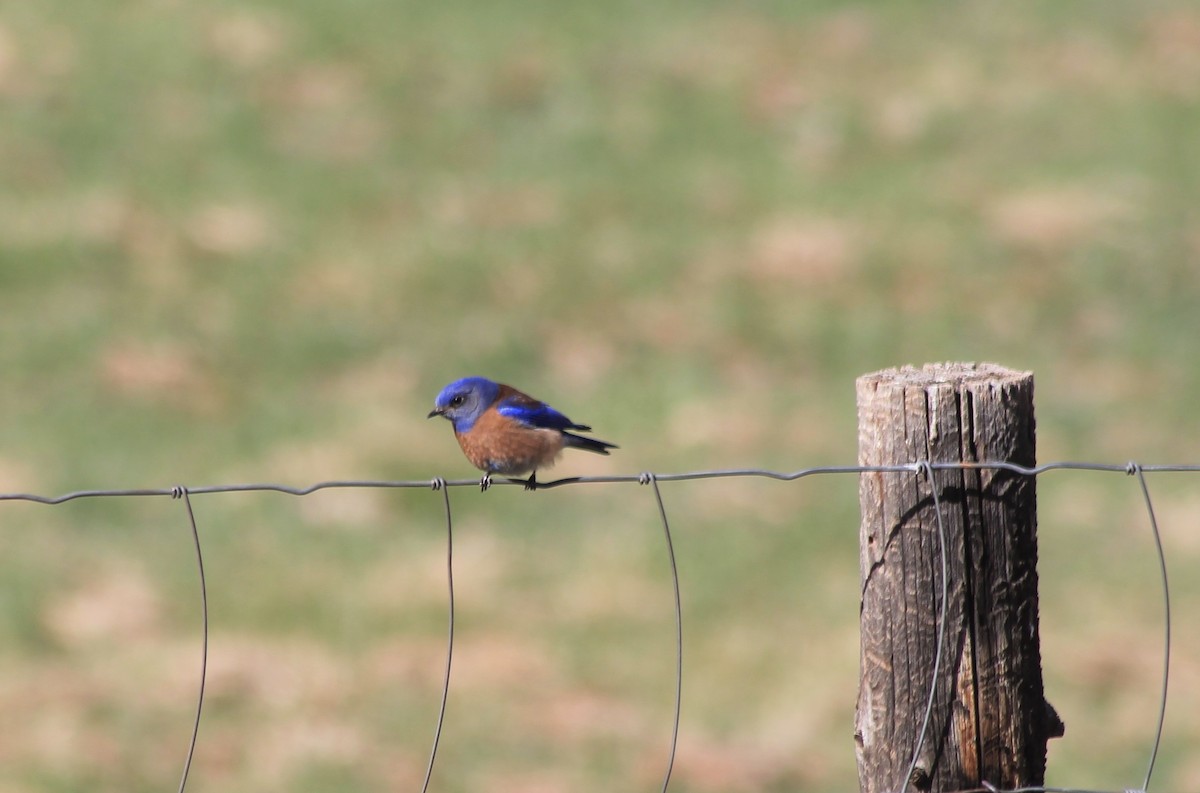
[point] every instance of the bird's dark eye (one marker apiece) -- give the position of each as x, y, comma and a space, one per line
456, 401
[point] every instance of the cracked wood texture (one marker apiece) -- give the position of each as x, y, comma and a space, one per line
990, 722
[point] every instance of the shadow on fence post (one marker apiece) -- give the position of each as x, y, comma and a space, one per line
989, 722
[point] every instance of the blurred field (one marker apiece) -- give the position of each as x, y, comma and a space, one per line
250, 241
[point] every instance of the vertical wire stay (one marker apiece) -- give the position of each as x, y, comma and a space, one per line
440, 484
181, 492
1136, 470
927, 469
652, 480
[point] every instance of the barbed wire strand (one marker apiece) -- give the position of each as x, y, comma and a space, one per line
1130, 468
440, 484
652, 480
1134, 468
926, 468
181, 492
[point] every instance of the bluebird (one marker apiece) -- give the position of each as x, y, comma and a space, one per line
502, 431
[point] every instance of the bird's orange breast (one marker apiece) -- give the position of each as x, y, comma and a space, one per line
500, 445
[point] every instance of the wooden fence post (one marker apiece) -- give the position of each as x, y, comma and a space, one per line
989, 721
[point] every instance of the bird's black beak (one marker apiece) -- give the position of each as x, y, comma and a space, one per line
436, 412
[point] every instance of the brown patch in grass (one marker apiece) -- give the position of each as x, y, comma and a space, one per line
231, 229
1172, 41
574, 715
8, 58
306, 462
722, 424
159, 372
247, 39
286, 747
540, 781
19, 476
704, 763
578, 360
349, 508
812, 251
114, 605
407, 661
324, 111
501, 660
512, 206
1052, 220
521, 79
1178, 517
277, 675
407, 578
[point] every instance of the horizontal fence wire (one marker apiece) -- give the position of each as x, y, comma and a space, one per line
920, 468
436, 483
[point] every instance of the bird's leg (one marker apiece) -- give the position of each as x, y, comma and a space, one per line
485, 482
531, 482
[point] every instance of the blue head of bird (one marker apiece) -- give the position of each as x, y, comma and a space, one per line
464, 401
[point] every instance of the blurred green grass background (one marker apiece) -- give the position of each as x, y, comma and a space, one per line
250, 241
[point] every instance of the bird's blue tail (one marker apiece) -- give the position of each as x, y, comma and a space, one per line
588, 444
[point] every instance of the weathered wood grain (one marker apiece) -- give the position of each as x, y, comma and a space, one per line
990, 721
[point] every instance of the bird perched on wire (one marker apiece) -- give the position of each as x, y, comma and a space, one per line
503, 431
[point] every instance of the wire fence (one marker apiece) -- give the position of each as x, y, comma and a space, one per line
922, 469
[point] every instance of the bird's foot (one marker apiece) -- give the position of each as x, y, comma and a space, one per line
531, 483
485, 482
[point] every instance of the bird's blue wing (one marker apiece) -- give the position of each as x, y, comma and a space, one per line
533, 413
